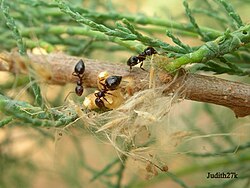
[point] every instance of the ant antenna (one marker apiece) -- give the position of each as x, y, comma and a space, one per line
68, 95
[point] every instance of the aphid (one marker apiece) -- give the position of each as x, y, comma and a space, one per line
134, 60
79, 70
111, 84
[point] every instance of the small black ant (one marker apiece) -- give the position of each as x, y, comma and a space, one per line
134, 60
111, 83
79, 70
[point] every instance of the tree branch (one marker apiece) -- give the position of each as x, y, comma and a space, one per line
210, 89
58, 68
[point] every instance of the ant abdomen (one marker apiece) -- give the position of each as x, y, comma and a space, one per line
112, 82
133, 60
99, 103
79, 68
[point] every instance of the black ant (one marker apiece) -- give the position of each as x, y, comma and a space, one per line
134, 60
111, 83
78, 71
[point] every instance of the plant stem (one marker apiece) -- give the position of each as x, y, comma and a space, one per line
224, 44
229, 151
105, 170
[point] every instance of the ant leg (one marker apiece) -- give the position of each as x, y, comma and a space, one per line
68, 95
103, 85
74, 74
130, 68
106, 100
151, 74
141, 66
110, 94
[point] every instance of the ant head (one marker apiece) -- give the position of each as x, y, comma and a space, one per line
80, 67
112, 82
150, 51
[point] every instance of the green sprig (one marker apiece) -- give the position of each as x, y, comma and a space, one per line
151, 41
211, 14
193, 22
12, 25
5, 121
98, 27
34, 115
221, 153
177, 180
231, 12
177, 41
105, 169
224, 44
139, 19
128, 33
22, 50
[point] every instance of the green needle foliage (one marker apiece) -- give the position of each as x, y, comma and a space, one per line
11, 24
5, 121
235, 17
225, 44
215, 38
22, 49
35, 115
193, 22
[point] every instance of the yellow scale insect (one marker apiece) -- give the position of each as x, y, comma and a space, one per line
108, 96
